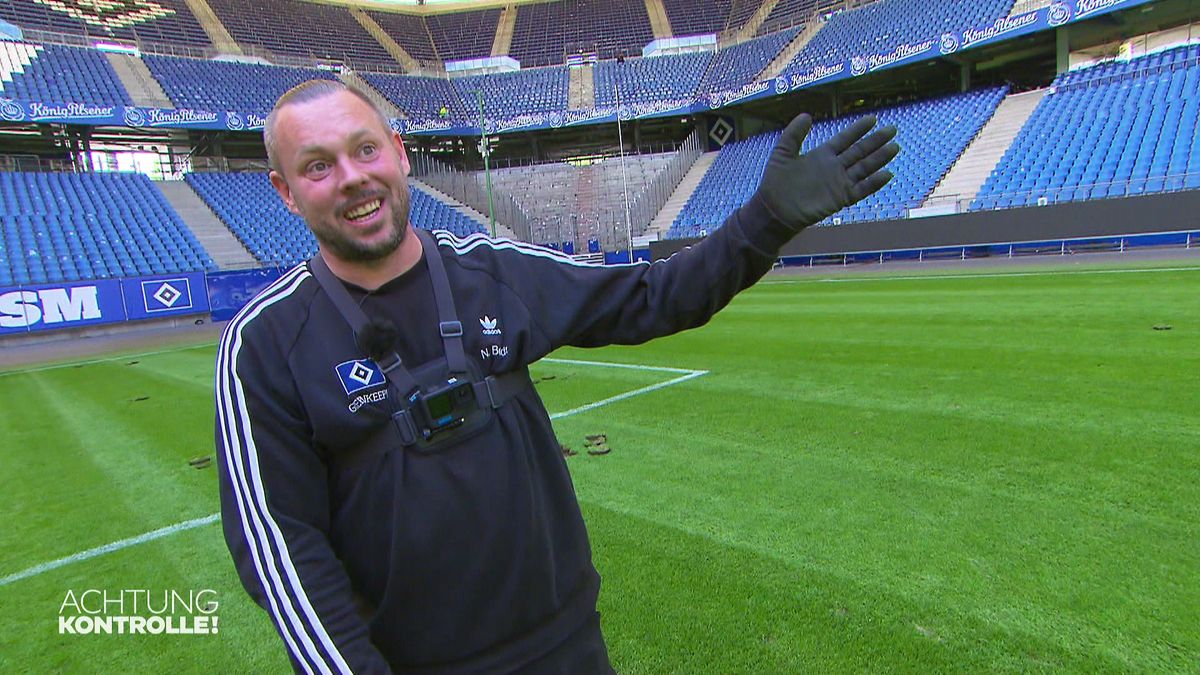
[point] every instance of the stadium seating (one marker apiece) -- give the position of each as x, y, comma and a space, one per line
932, 134
67, 227
252, 210
741, 11
522, 92
225, 85
410, 32
55, 74
160, 21
650, 79
608, 27
787, 13
879, 27
422, 98
463, 35
697, 17
741, 63
1117, 129
303, 29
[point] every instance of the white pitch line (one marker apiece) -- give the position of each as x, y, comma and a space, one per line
688, 374
109, 548
630, 366
106, 359
198, 522
975, 276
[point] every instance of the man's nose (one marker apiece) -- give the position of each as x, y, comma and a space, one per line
352, 177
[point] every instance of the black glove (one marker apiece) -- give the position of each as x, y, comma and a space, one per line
800, 190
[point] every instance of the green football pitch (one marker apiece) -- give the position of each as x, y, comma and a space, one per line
925, 473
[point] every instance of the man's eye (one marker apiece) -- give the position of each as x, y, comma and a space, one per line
317, 168
367, 150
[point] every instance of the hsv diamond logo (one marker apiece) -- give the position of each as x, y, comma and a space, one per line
489, 325
162, 295
359, 375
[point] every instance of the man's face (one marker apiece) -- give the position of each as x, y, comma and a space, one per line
345, 173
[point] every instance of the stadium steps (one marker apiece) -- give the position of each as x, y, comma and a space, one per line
481, 218
504, 30
677, 200
137, 80
15, 57
781, 61
350, 78
213, 235
212, 25
582, 90
658, 19
964, 179
750, 28
391, 46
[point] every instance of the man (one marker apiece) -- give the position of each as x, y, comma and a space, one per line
384, 526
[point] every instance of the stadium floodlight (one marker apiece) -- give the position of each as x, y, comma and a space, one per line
624, 178
485, 149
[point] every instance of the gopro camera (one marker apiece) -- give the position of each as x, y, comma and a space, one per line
443, 407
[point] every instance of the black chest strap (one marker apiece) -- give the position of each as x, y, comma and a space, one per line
493, 391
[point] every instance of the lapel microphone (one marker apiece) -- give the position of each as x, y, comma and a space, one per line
378, 339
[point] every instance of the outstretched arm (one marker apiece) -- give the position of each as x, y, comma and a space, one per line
588, 306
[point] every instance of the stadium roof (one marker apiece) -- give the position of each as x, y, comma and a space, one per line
429, 6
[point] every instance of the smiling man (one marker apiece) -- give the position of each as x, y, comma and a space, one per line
392, 491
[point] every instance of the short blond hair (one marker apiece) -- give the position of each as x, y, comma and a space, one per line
303, 93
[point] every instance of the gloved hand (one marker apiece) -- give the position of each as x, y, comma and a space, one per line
803, 189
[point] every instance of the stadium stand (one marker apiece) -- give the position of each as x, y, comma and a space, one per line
650, 79
880, 27
933, 133
421, 98
56, 74
302, 29
697, 17
71, 226
1112, 130
252, 210
741, 63
740, 12
608, 27
518, 93
160, 21
787, 13
226, 85
578, 203
410, 32
463, 35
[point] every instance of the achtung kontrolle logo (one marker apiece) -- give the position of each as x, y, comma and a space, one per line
99, 611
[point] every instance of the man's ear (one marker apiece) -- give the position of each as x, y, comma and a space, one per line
399, 145
285, 192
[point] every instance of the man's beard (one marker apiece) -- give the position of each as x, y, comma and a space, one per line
346, 248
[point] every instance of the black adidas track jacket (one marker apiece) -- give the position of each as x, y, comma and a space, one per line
472, 559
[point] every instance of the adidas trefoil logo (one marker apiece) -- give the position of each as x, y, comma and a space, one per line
489, 325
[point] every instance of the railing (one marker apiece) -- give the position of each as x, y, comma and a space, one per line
470, 189
34, 164
650, 201
222, 165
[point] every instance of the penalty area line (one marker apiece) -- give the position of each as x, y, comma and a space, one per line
685, 375
109, 548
